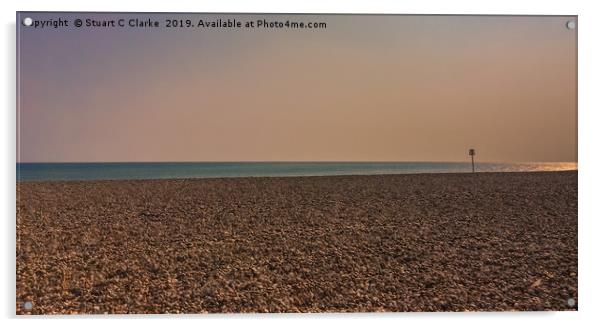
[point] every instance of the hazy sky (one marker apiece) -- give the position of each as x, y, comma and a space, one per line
366, 88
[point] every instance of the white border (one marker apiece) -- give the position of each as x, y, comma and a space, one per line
589, 133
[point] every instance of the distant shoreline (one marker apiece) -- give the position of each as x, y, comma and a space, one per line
147, 171
294, 176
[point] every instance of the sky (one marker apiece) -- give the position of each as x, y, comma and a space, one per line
365, 88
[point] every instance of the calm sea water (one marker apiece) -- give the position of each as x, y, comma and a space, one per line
117, 171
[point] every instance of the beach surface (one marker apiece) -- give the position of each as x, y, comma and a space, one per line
426, 242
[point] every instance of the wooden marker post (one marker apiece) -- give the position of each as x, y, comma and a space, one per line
471, 153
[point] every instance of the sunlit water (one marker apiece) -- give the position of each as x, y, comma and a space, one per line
120, 171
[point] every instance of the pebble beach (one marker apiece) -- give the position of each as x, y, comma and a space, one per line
381, 243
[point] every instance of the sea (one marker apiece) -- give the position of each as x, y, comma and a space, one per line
162, 170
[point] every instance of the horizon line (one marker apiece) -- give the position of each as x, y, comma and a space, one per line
291, 161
